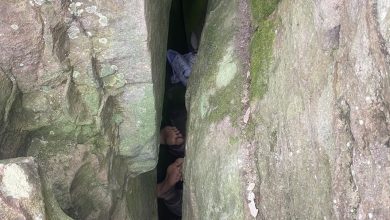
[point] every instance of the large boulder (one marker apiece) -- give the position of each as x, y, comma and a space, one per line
81, 87
303, 133
321, 125
213, 186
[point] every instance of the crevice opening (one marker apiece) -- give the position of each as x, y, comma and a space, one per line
186, 22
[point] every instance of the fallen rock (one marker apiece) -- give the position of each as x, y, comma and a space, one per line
20, 190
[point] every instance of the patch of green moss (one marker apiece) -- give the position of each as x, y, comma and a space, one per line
213, 48
225, 102
261, 45
92, 100
261, 57
261, 9
234, 140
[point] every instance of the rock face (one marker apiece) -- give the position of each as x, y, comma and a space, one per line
304, 134
81, 87
20, 190
288, 109
213, 186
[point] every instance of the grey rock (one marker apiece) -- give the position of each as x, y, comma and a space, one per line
82, 86
20, 190
288, 108
305, 136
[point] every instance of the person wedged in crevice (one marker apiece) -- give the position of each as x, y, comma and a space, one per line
185, 28
172, 151
172, 135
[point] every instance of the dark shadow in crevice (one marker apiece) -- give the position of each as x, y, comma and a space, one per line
185, 26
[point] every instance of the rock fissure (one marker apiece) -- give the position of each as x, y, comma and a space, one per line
10, 100
288, 107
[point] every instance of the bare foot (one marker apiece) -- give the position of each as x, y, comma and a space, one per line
171, 136
174, 175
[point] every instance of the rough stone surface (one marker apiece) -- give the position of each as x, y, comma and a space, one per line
306, 135
213, 189
322, 127
81, 86
288, 108
20, 190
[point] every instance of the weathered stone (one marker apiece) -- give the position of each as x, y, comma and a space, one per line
213, 187
81, 175
82, 86
20, 190
309, 131
288, 108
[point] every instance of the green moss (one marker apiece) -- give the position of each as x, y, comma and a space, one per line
225, 101
261, 9
234, 140
213, 103
261, 45
92, 100
117, 118
261, 58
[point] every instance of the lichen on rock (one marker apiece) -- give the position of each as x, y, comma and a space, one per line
84, 91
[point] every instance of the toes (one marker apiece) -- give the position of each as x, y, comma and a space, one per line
173, 136
176, 130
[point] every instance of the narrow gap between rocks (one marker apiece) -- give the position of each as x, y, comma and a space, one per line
185, 27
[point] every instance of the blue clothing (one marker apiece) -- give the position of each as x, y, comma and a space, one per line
181, 66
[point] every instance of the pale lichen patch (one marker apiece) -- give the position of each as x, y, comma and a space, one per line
15, 183
103, 20
74, 8
103, 40
91, 9
39, 2
73, 32
38, 217
76, 74
251, 198
114, 67
251, 186
204, 105
227, 69
15, 27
